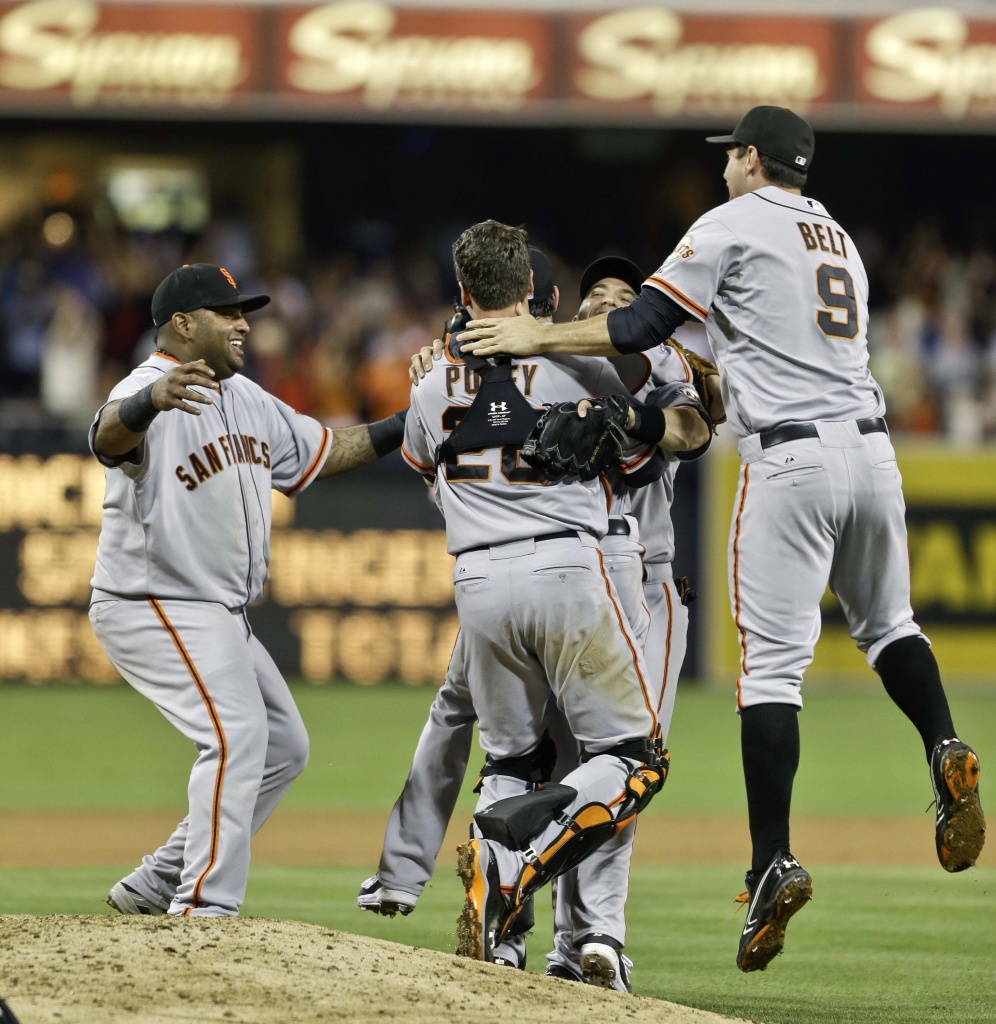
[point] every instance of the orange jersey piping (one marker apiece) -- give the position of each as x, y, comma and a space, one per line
315, 462
636, 658
680, 297
219, 732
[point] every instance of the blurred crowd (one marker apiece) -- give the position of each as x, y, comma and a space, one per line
336, 340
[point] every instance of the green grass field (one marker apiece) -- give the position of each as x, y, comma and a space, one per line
879, 944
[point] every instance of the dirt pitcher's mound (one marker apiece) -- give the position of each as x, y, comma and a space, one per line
61, 970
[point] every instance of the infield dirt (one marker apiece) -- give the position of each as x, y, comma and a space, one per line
110, 969
63, 970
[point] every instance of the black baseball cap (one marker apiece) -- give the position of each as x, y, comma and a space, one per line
200, 286
542, 276
612, 266
776, 132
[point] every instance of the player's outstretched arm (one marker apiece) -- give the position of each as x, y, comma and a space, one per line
123, 423
685, 430
523, 336
353, 447
674, 429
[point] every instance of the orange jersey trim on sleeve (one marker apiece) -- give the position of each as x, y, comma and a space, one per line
414, 463
680, 297
315, 463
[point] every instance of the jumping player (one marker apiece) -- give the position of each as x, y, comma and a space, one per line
784, 296
191, 449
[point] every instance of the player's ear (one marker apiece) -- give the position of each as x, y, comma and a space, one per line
184, 325
556, 298
464, 294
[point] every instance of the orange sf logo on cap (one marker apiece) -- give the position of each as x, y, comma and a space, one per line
229, 278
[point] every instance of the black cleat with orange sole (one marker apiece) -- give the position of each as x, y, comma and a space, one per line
772, 897
960, 827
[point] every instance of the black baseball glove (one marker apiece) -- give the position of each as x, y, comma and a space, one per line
571, 447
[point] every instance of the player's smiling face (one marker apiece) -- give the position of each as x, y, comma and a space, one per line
606, 295
220, 339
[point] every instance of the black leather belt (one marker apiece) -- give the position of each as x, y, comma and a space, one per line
618, 527
797, 431
560, 535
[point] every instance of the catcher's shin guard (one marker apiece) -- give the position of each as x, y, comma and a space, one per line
516, 820
590, 827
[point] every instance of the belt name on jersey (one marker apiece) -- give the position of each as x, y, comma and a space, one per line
236, 448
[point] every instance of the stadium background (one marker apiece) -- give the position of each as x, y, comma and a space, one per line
329, 154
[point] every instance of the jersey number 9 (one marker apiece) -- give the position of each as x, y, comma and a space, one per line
836, 288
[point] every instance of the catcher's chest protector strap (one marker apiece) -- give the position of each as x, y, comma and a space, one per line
499, 414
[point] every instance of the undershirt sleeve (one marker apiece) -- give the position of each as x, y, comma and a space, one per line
648, 320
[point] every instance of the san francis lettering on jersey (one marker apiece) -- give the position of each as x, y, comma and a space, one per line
235, 448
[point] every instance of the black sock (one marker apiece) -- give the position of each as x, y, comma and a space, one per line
769, 742
911, 678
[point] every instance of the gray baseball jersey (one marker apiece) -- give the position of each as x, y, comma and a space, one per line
190, 520
652, 504
783, 294
493, 497
784, 297
183, 548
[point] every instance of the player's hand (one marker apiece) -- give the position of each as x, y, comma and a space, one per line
589, 403
172, 390
713, 399
422, 360
518, 335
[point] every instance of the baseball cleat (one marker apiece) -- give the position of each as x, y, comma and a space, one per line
126, 900
960, 828
484, 908
772, 897
564, 971
600, 964
375, 896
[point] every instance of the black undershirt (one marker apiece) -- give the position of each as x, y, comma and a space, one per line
648, 320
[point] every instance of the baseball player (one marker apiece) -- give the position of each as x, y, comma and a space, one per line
418, 820
538, 613
640, 563
596, 922
191, 450
782, 291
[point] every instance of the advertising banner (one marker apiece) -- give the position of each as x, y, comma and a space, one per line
64, 55
643, 64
